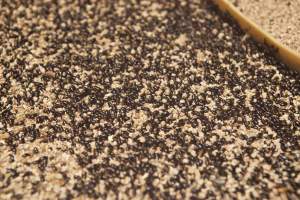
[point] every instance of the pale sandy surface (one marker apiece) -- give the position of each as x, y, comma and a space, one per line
280, 18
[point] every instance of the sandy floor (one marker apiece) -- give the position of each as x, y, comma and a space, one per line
142, 100
280, 18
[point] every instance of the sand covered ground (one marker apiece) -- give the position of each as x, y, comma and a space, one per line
280, 18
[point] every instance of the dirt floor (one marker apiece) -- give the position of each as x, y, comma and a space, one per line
142, 100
